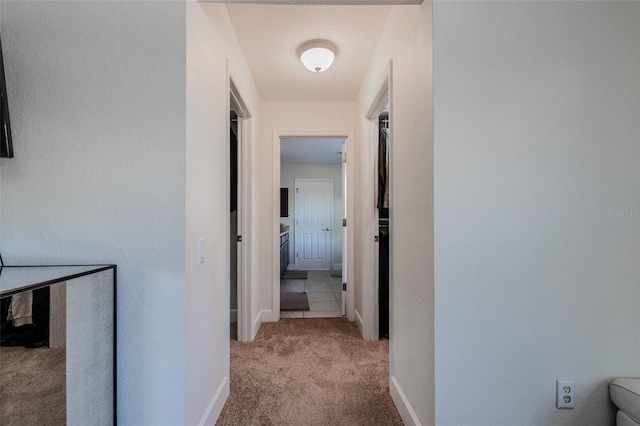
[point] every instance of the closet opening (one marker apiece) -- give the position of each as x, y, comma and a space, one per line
382, 210
239, 279
233, 222
377, 266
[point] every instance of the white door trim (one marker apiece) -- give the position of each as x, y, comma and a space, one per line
275, 232
321, 2
295, 218
370, 314
244, 209
345, 242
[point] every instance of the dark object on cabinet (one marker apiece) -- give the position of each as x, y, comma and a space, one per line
284, 253
284, 202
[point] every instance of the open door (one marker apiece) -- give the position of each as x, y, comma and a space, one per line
239, 292
345, 234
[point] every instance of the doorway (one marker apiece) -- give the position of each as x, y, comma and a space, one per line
233, 221
382, 196
311, 169
239, 301
378, 217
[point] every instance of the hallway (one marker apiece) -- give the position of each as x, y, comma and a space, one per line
310, 372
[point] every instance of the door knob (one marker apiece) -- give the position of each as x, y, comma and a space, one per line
326, 229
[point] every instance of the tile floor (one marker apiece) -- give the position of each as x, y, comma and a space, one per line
324, 293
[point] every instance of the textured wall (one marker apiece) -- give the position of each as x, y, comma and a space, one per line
210, 41
97, 92
406, 40
537, 137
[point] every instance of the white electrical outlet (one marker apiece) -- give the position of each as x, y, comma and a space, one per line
565, 394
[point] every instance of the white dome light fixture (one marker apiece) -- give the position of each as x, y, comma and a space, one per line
317, 55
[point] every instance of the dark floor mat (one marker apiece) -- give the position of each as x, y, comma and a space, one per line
294, 301
295, 275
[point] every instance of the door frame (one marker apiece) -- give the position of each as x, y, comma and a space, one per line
343, 229
369, 328
243, 215
347, 135
295, 217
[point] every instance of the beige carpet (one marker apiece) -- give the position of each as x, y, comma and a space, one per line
32, 386
309, 372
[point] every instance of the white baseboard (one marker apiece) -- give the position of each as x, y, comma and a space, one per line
409, 416
233, 315
336, 267
214, 409
265, 315
359, 323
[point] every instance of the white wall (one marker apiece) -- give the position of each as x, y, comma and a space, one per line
97, 92
288, 174
537, 137
278, 116
210, 41
406, 40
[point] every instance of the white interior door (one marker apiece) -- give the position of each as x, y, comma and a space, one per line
313, 200
344, 229
239, 251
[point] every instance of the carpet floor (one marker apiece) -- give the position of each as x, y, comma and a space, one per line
309, 372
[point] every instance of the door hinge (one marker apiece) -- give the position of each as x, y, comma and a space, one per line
344, 222
344, 286
239, 238
296, 255
376, 239
297, 190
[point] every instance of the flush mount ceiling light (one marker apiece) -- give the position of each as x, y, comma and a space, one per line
317, 55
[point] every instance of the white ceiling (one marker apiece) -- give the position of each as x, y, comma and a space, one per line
310, 151
271, 34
